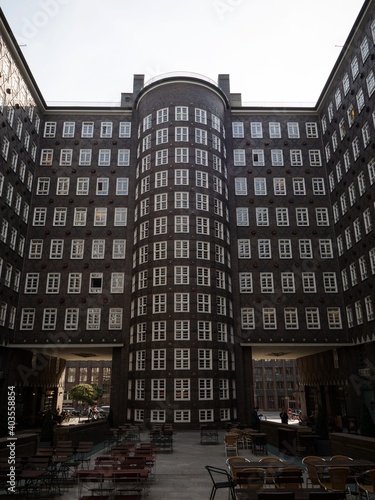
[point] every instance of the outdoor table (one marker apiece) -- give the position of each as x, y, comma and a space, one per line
299, 493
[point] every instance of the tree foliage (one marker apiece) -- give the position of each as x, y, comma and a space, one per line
83, 392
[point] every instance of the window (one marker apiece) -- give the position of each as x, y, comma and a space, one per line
274, 130
83, 186
256, 130
117, 282
74, 282
261, 216
27, 319
181, 275
162, 115
43, 185
87, 129
321, 215
258, 157
239, 158
62, 187
85, 156
202, 225
282, 216
201, 116
200, 136
279, 186
244, 249
66, 157
287, 282
181, 113
98, 249
39, 218
36, 248
158, 359
305, 249
182, 389
302, 216
49, 319
260, 188
104, 159
269, 318
266, 282
181, 249
123, 157
50, 129
56, 249
318, 186
240, 186
264, 248
293, 130
203, 303
315, 158
330, 282
46, 157
312, 318
93, 318
291, 318
106, 129
242, 216
237, 129
202, 202
334, 318
124, 129
285, 249
277, 159
100, 216
309, 282
182, 330
201, 157
80, 216
122, 186
77, 249
311, 130
31, 283
299, 186
118, 249
204, 359
326, 249
59, 216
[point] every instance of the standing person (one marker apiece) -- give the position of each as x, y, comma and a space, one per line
284, 416
254, 419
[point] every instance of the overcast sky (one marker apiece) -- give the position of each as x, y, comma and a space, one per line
88, 50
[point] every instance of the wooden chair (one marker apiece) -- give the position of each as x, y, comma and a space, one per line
337, 481
251, 478
366, 483
312, 473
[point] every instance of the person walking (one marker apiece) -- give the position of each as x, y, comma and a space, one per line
254, 419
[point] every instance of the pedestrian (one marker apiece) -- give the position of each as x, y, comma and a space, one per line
254, 419
284, 416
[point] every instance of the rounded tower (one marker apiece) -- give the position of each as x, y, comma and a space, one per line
181, 366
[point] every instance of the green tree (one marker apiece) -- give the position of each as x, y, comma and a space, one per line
99, 391
83, 392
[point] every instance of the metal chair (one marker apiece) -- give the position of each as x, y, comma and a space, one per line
366, 483
221, 479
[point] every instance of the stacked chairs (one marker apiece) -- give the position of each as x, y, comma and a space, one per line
230, 444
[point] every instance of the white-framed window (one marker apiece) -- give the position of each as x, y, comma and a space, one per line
201, 116
266, 282
269, 318
59, 216
181, 155
93, 318
83, 184
115, 318
71, 318
287, 282
104, 157
260, 187
315, 159
66, 156
258, 157
256, 130
322, 217
285, 248
305, 249
279, 186
182, 359
123, 157
291, 318
182, 330
106, 129
302, 216
181, 113
334, 318
124, 130
204, 359
326, 249
244, 249
117, 282
239, 157
158, 359
264, 248
277, 159
27, 318
299, 187
293, 130
318, 186
87, 129
238, 129
85, 156
162, 115
204, 330
98, 249
203, 303
77, 249
282, 216
46, 157
56, 249
39, 216
31, 283
74, 282
309, 282
242, 216
312, 318
62, 186
50, 129
80, 216
262, 218
274, 130
240, 184
159, 331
